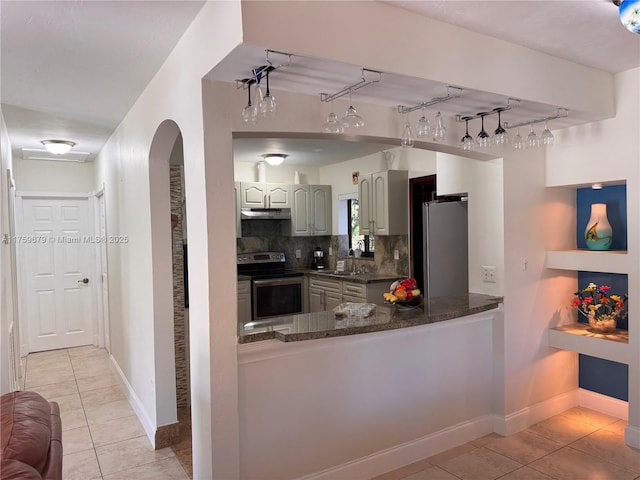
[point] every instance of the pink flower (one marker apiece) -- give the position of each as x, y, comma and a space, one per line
575, 302
587, 300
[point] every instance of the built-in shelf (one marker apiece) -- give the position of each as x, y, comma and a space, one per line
609, 261
578, 337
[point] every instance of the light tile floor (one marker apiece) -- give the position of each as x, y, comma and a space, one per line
579, 444
103, 439
101, 435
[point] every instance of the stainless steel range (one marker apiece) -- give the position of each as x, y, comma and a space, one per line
275, 289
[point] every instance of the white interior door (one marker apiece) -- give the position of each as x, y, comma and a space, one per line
55, 257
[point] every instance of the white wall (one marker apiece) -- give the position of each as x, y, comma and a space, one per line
123, 166
7, 271
308, 406
52, 176
416, 161
527, 369
600, 152
248, 172
483, 182
533, 373
522, 73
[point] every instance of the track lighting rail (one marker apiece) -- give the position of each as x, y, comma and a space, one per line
561, 113
363, 82
433, 101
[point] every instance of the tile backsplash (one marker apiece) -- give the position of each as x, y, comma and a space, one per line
269, 235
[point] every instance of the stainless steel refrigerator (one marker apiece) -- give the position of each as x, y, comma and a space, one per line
446, 252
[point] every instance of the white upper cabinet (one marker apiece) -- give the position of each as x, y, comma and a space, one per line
383, 200
278, 195
265, 195
311, 210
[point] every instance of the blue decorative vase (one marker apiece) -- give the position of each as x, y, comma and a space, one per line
598, 234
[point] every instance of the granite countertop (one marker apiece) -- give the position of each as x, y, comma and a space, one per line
310, 326
357, 278
244, 278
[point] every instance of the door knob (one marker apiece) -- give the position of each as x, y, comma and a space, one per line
84, 280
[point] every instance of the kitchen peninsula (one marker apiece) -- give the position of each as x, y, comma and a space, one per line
310, 326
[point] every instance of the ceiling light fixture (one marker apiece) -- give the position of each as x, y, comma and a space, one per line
629, 13
596, 186
58, 147
274, 159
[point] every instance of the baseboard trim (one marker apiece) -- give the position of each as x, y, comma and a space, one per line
167, 435
522, 419
136, 404
603, 404
407, 453
632, 436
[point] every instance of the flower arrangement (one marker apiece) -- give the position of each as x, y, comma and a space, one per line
598, 306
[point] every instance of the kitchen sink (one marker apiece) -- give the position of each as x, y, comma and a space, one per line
335, 272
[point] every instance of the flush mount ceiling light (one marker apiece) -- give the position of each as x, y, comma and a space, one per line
274, 159
58, 147
629, 12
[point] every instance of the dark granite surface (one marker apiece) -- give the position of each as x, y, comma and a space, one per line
244, 278
310, 326
357, 278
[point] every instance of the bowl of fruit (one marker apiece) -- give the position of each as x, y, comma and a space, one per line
405, 294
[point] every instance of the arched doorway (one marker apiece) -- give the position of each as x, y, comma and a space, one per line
168, 224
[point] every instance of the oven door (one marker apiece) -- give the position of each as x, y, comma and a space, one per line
277, 297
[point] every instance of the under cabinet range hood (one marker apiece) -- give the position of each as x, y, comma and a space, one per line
265, 214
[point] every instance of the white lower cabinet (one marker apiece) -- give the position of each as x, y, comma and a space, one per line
364, 293
324, 294
327, 293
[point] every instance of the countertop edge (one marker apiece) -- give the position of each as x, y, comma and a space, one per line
358, 330
363, 278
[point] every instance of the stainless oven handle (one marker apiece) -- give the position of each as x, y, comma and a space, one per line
278, 281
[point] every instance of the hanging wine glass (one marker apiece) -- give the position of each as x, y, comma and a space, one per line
518, 141
250, 112
440, 131
547, 136
500, 136
332, 125
467, 141
268, 102
423, 128
407, 137
483, 139
532, 139
259, 97
351, 119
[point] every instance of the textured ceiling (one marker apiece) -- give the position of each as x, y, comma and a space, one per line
72, 69
588, 32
